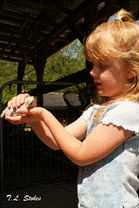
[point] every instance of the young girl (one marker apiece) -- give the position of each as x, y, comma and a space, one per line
104, 140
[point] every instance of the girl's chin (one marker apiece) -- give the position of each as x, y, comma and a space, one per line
102, 94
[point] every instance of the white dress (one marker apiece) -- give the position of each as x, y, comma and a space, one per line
112, 182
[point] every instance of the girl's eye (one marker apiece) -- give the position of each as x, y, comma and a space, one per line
89, 65
104, 66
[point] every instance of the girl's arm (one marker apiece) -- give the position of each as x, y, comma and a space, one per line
77, 129
97, 145
28, 116
44, 134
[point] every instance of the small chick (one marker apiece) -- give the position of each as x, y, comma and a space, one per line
9, 111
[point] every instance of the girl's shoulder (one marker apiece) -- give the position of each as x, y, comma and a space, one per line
123, 107
89, 111
124, 114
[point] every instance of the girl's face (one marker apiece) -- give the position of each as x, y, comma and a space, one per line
111, 79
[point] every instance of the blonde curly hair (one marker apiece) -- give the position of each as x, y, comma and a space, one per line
117, 38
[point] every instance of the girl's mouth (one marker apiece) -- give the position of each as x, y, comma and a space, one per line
97, 84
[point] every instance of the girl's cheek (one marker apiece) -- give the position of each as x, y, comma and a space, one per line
102, 76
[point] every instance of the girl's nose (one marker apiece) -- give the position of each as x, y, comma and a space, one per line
94, 72
91, 72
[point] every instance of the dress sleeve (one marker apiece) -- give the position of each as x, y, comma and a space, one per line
124, 114
86, 115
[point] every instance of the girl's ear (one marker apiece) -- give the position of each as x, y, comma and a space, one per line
131, 75
132, 78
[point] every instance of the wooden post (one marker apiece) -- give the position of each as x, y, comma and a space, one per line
20, 75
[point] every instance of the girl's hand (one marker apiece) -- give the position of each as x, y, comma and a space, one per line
18, 101
18, 109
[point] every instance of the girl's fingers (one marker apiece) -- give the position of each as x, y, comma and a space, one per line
11, 102
15, 119
19, 119
22, 110
18, 100
19, 106
21, 98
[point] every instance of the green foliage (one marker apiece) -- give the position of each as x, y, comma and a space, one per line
8, 71
30, 73
68, 60
8, 93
